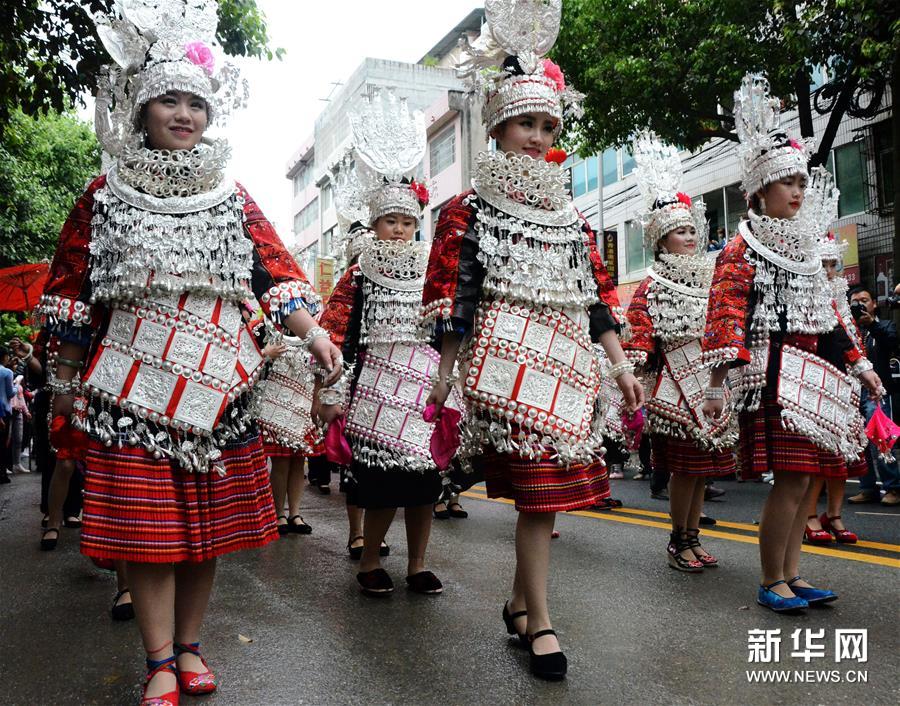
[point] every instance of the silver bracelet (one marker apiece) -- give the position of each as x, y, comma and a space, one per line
63, 387
619, 369
449, 379
331, 395
714, 393
863, 365
311, 335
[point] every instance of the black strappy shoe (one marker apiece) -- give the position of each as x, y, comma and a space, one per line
679, 542
355, 552
298, 527
508, 618
552, 666
121, 612
283, 529
48, 544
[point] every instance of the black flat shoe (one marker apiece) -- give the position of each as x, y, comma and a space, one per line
72, 523
283, 529
355, 552
48, 544
122, 612
425, 583
376, 583
441, 514
508, 618
44, 521
298, 527
384, 550
458, 513
706, 520
552, 666
324, 489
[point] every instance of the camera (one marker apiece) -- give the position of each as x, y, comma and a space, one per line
857, 309
893, 301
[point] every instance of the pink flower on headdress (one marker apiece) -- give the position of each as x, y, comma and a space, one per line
553, 72
796, 145
201, 55
684, 198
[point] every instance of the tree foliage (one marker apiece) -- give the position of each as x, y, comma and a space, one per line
46, 162
673, 65
50, 54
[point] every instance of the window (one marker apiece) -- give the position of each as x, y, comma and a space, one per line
327, 197
303, 178
715, 210
636, 258
735, 208
326, 242
627, 161
610, 167
884, 167
592, 173
442, 152
579, 179
307, 216
849, 177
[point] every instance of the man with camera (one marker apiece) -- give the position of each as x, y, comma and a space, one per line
880, 336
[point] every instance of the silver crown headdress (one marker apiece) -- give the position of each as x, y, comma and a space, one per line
820, 210
506, 63
766, 152
351, 208
389, 144
158, 46
658, 171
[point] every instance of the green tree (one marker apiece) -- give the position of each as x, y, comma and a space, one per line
46, 162
673, 65
50, 53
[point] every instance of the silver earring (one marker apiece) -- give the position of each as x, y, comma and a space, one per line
762, 204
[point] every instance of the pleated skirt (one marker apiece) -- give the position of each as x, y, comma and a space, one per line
138, 508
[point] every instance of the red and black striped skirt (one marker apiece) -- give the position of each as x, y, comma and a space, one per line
684, 457
543, 485
138, 508
767, 446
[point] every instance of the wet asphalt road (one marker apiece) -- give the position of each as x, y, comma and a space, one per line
635, 631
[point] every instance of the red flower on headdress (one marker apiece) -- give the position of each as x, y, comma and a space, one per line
421, 192
553, 72
684, 198
554, 154
796, 145
201, 55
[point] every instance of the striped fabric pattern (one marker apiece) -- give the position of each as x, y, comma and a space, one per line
273, 450
682, 456
137, 508
767, 446
542, 485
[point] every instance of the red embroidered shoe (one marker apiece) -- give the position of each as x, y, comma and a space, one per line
819, 536
195, 683
843, 536
154, 667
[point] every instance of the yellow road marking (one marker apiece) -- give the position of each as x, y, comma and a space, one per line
611, 517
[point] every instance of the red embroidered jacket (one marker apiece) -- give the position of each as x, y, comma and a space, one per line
730, 309
641, 346
452, 286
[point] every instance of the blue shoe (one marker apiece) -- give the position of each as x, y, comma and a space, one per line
813, 596
771, 600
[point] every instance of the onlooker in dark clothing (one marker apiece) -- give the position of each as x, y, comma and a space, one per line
880, 337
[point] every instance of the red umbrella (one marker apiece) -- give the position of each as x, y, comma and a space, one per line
22, 285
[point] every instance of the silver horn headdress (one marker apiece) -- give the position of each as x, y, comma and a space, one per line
388, 144
765, 150
506, 63
659, 174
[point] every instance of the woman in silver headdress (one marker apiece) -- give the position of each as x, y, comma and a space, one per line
771, 320
517, 289
667, 315
373, 314
155, 365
